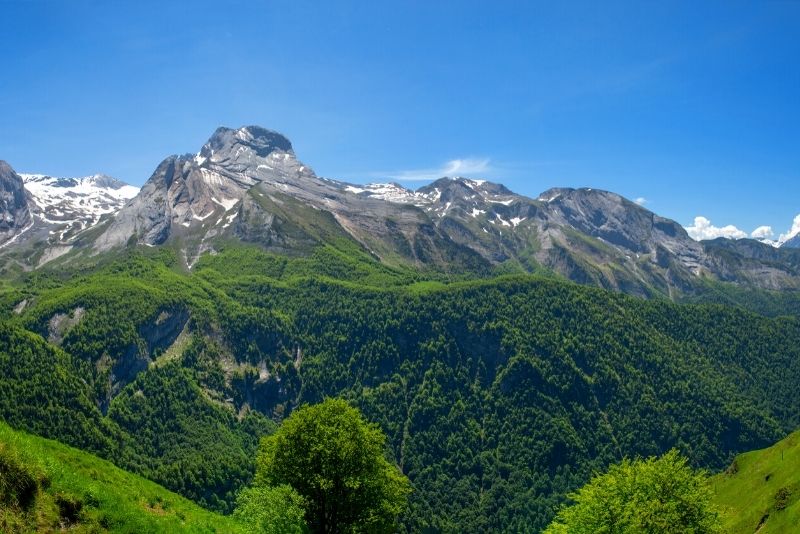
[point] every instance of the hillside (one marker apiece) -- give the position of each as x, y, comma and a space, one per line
498, 396
46, 486
760, 491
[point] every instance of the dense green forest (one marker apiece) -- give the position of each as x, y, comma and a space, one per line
498, 396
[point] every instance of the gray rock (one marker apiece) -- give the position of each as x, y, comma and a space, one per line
792, 243
15, 214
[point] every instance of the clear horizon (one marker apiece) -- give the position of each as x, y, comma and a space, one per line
692, 110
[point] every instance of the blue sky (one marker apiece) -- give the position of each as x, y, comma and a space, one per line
693, 106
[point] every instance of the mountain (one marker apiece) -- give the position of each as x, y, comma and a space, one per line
247, 185
42, 215
760, 490
73, 204
171, 335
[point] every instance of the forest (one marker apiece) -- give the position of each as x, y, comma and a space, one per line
498, 395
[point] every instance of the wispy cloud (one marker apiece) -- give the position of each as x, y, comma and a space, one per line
641, 201
466, 167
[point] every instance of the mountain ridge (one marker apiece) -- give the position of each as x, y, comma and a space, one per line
247, 184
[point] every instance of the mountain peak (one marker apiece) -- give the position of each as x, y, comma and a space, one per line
104, 180
458, 186
5, 168
261, 140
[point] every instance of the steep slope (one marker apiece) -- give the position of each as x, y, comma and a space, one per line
760, 491
15, 213
793, 242
248, 184
155, 419
46, 487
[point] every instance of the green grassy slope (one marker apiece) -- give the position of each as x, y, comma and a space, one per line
760, 492
46, 486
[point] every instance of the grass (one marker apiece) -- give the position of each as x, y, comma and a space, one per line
760, 491
46, 486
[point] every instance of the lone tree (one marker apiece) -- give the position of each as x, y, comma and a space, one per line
336, 461
656, 495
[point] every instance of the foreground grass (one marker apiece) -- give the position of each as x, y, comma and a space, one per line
46, 486
760, 492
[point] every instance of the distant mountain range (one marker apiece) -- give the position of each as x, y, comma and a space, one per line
47, 213
247, 184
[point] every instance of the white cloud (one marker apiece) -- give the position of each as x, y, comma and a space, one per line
703, 229
792, 232
641, 201
456, 167
762, 232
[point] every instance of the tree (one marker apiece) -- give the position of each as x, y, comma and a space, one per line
655, 495
271, 510
336, 461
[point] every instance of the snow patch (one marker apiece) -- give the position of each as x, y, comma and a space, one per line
501, 220
226, 203
76, 202
229, 219
549, 199
503, 202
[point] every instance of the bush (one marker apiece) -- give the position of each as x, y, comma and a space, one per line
19, 479
271, 510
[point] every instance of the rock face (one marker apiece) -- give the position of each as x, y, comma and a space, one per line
248, 184
794, 242
186, 193
15, 214
588, 235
